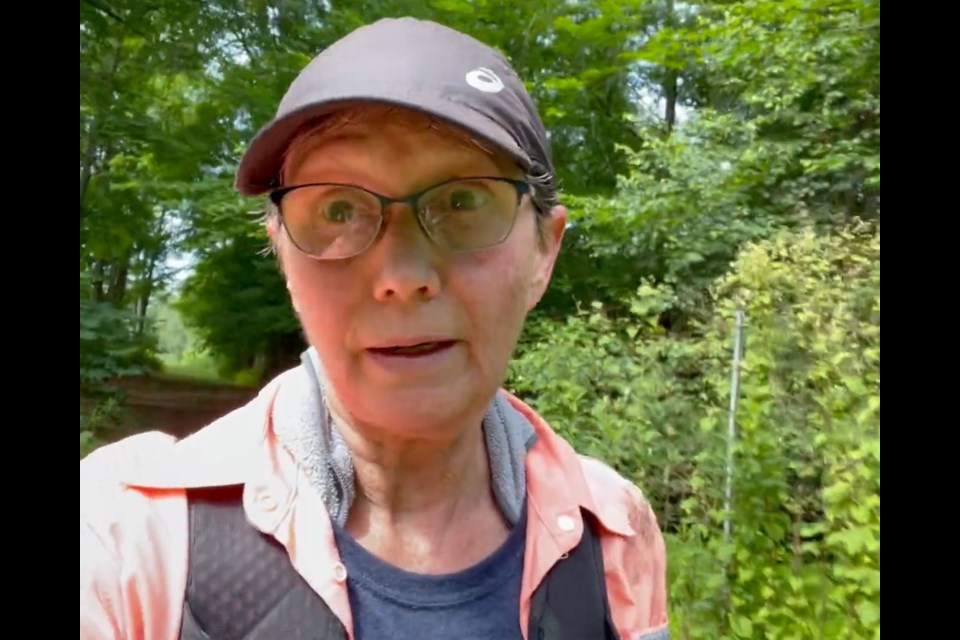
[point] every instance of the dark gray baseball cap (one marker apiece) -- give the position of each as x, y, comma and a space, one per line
410, 63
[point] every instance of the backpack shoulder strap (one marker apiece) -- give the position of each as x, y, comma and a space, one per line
241, 584
572, 603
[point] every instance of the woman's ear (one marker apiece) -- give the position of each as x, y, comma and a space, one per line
272, 226
551, 237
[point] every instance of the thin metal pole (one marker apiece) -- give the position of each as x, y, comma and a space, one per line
732, 424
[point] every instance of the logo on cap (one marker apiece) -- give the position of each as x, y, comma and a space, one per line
485, 80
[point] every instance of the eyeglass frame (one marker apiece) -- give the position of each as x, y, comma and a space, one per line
521, 187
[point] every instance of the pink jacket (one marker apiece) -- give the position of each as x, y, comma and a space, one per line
133, 524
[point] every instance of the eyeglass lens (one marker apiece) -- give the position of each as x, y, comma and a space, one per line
336, 221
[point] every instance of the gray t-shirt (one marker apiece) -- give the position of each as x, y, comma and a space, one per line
478, 603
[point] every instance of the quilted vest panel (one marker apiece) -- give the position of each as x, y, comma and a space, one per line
242, 586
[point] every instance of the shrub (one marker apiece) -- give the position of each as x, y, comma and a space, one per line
802, 558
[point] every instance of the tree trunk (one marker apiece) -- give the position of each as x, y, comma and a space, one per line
99, 275
143, 301
670, 94
118, 282
670, 83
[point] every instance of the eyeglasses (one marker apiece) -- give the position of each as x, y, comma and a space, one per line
330, 221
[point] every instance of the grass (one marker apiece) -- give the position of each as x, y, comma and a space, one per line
199, 368
203, 370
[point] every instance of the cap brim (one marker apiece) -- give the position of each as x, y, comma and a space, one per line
259, 168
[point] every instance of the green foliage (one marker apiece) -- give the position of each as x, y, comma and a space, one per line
88, 443
112, 343
99, 417
107, 346
236, 303
785, 134
803, 559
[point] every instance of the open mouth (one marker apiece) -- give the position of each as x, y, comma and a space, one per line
414, 351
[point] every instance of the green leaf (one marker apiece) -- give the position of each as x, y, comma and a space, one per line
855, 385
813, 529
869, 613
742, 627
855, 539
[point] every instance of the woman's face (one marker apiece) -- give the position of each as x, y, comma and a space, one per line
414, 339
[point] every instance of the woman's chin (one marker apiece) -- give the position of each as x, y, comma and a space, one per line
421, 412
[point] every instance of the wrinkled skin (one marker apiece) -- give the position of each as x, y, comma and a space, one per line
404, 286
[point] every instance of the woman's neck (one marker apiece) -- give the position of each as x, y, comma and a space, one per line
401, 478
425, 507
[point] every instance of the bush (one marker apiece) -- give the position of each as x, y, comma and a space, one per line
112, 341
109, 347
803, 555
97, 419
112, 344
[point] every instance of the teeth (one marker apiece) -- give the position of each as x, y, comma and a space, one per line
419, 348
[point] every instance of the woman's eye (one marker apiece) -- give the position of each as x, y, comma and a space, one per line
465, 200
339, 211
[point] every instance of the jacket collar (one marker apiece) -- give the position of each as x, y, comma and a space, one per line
558, 483
240, 448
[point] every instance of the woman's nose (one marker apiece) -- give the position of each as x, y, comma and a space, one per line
406, 261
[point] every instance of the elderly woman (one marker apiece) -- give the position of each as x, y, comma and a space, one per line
387, 487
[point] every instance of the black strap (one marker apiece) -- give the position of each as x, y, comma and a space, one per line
572, 601
241, 584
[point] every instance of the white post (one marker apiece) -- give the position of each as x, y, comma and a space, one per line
731, 424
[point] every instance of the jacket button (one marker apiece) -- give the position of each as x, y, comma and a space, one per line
566, 523
339, 572
267, 502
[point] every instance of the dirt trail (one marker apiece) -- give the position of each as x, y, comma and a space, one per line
174, 405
